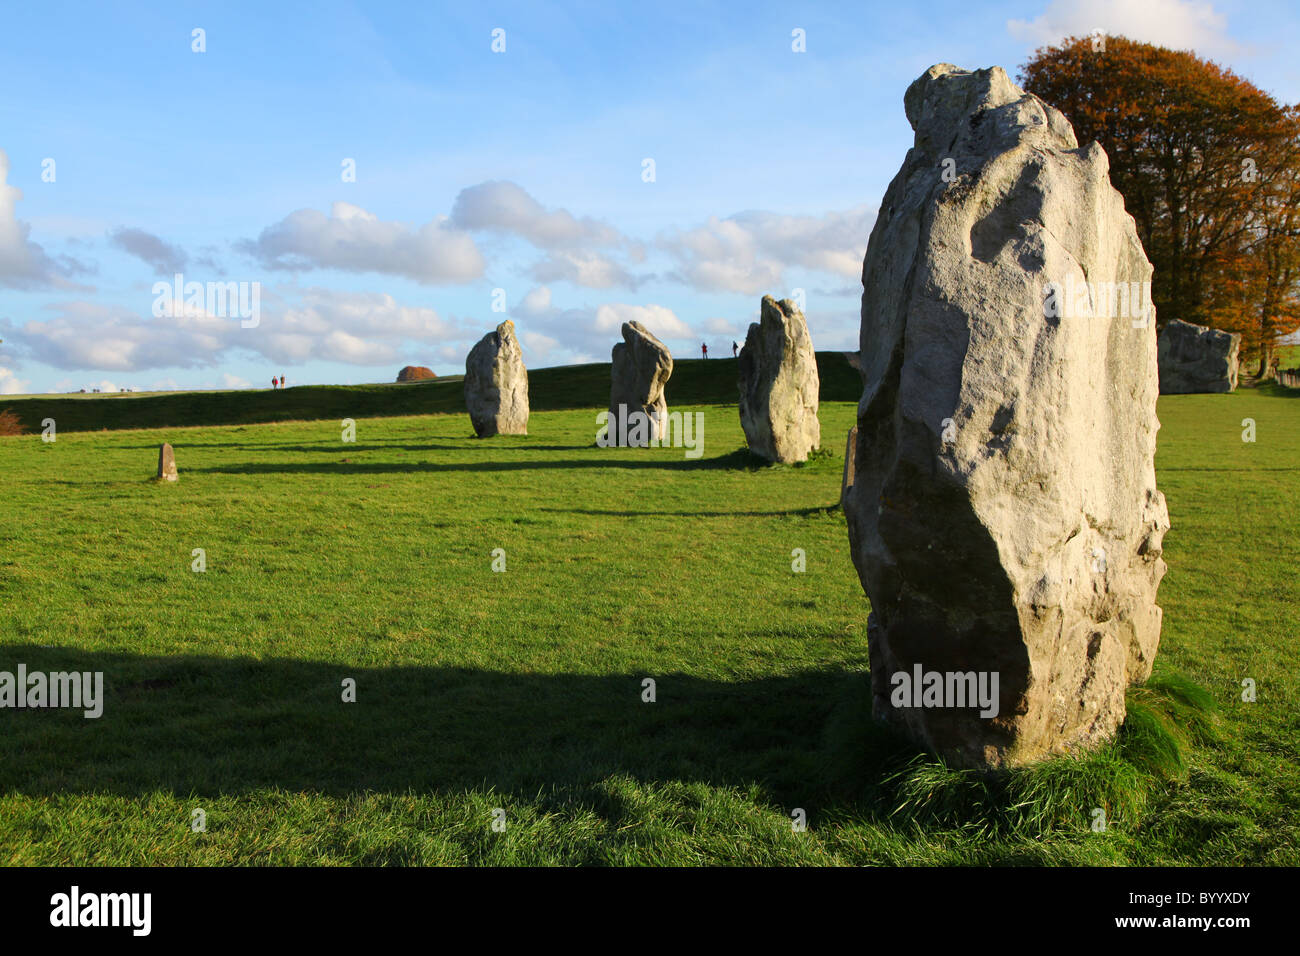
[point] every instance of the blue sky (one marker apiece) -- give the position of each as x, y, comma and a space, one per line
476, 170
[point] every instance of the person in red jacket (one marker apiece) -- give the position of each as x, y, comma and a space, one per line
704, 349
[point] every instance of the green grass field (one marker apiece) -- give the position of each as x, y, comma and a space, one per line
522, 690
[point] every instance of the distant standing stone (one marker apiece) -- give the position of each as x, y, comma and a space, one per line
496, 384
1194, 358
641, 368
779, 385
167, 463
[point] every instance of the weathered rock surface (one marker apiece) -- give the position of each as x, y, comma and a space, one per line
415, 373
1194, 358
496, 384
779, 384
642, 366
167, 464
1004, 515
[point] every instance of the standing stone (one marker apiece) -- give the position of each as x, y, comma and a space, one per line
779, 385
496, 384
850, 466
167, 464
1194, 358
1005, 520
641, 367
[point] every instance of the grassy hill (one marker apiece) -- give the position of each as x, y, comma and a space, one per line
694, 382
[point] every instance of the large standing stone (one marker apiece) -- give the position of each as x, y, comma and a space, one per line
1194, 358
1004, 516
496, 384
167, 463
641, 367
779, 385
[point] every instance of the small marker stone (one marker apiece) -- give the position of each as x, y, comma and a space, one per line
167, 463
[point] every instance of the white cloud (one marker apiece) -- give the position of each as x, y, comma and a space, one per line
11, 384
583, 251
23, 263
86, 335
234, 381
538, 347
750, 252
454, 354
1176, 24
150, 249
341, 346
589, 269
359, 328
351, 239
353, 327
367, 313
506, 207
574, 335
660, 320
536, 302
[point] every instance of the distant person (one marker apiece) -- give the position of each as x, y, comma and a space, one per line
282, 381
704, 349
735, 349
275, 383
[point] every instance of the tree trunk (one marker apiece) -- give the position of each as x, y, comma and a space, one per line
1265, 364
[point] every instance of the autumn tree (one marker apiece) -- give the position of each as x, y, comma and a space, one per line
1260, 276
1207, 164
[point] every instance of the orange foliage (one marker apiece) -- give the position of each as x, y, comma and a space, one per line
1209, 167
10, 425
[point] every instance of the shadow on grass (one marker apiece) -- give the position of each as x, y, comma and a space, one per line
741, 459
222, 726
209, 725
328, 446
790, 513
